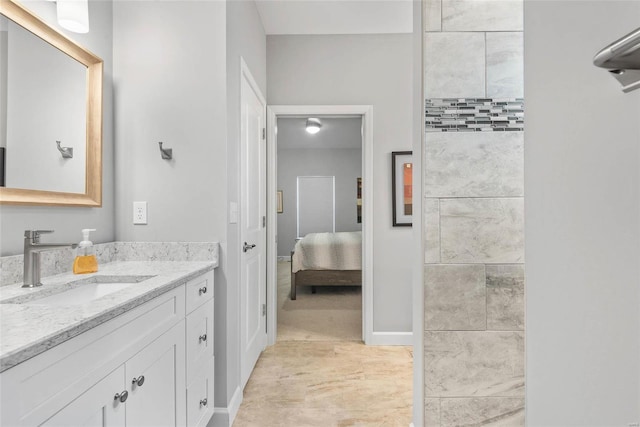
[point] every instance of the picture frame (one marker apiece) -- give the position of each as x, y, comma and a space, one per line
402, 188
359, 200
279, 203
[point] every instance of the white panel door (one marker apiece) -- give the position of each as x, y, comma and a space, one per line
253, 232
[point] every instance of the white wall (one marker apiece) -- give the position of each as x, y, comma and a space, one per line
171, 85
582, 163
67, 221
345, 164
362, 70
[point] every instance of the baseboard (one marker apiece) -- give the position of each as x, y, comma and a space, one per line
284, 258
391, 338
224, 417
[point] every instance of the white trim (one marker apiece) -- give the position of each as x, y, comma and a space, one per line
418, 240
366, 112
392, 338
224, 417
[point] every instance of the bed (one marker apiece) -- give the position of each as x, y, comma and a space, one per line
327, 259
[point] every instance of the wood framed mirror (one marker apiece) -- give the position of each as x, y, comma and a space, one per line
89, 154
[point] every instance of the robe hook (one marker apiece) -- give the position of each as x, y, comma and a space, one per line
166, 153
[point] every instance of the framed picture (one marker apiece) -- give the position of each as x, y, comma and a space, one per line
402, 187
359, 200
279, 204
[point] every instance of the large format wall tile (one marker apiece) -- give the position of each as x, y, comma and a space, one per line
474, 164
505, 297
482, 15
432, 15
454, 65
474, 364
432, 230
505, 65
455, 297
431, 412
483, 411
489, 231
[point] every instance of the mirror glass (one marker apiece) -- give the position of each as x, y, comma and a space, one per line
43, 99
50, 114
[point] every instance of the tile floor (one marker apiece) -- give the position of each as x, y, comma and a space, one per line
307, 380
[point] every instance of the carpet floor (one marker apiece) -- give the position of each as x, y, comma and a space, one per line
320, 373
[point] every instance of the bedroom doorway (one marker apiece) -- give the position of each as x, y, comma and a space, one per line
279, 202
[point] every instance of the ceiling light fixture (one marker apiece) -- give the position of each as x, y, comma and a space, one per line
313, 126
73, 15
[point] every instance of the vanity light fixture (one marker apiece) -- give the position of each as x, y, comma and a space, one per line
313, 125
73, 15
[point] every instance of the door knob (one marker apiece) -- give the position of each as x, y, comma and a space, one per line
202, 337
122, 397
138, 381
246, 247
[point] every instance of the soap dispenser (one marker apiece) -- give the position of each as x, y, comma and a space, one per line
86, 261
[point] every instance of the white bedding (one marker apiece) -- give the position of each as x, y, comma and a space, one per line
328, 251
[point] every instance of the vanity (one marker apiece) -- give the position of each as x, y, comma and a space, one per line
129, 345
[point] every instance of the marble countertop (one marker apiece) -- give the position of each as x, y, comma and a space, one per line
29, 329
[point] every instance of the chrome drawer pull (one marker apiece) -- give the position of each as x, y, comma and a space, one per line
202, 337
203, 402
122, 397
202, 290
138, 381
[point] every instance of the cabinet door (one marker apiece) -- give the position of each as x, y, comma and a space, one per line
96, 407
199, 338
158, 399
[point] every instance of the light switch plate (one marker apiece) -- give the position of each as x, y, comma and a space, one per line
233, 213
139, 212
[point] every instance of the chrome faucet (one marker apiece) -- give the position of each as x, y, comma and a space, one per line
32, 249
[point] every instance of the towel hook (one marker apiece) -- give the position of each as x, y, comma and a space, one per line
67, 152
166, 153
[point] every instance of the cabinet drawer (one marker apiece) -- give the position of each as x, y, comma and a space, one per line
200, 396
199, 291
199, 338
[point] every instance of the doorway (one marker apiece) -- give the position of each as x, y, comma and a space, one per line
366, 115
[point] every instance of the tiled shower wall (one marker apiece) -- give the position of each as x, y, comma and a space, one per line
474, 213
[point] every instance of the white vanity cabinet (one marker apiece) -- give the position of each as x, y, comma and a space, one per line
129, 371
199, 351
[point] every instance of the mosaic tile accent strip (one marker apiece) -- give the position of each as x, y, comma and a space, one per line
474, 114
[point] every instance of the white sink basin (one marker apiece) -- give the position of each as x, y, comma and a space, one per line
79, 291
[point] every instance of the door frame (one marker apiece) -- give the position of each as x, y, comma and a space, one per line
273, 113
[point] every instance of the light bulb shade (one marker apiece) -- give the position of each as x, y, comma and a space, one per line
74, 15
313, 126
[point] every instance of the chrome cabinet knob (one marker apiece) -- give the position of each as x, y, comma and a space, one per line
202, 290
138, 381
202, 337
203, 402
246, 247
122, 396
